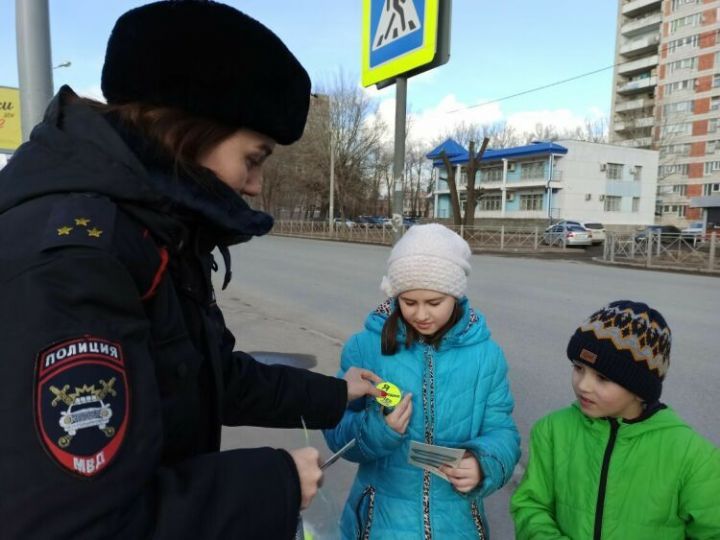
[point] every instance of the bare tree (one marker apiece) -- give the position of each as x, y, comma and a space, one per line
357, 134
454, 198
500, 134
472, 167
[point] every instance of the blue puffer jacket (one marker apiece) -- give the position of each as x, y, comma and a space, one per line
461, 399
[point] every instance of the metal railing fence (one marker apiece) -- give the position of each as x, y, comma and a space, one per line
698, 253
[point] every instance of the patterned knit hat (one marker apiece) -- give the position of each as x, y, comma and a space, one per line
428, 257
629, 343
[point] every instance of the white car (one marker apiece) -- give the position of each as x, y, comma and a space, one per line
568, 234
694, 233
596, 228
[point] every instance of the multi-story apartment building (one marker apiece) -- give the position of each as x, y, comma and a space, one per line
667, 96
564, 179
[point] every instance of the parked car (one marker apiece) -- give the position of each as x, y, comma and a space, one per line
668, 233
695, 229
596, 229
369, 221
694, 233
344, 223
569, 234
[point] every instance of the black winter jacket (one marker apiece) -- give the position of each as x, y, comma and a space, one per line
117, 369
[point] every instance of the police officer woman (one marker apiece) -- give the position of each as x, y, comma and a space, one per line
117, 369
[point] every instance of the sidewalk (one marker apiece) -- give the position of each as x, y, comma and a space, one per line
259, 329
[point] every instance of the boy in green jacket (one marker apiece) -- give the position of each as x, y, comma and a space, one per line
618, 464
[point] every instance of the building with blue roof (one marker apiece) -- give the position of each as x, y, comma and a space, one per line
545, 180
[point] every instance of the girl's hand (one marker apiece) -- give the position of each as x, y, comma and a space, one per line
400, 417
467, 475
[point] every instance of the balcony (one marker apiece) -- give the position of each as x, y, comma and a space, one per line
637, 7
637, 86
641, 142
517, 214
532, 183
638, 47
637, 123
640, 25
638, 66
634, 104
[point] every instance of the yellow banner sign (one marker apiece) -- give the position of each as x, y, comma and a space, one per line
10, 131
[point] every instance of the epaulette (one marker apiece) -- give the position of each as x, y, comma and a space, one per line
81, 219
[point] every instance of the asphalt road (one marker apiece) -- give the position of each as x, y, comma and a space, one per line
308, 296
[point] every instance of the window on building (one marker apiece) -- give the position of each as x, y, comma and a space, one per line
614, 171
685, 42
713, 125
679, 86
533, 169
685, 63
683, 128
490, 202
685, 22
679, 4
680, 107
712, 147
636, 204
612, 203
637, 173
680, 169
711, 189
711, 167
533, 201
675, 150
675, 209
492, 174
716, 80
680, 189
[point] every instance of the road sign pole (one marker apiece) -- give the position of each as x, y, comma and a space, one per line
32, 25
399, 158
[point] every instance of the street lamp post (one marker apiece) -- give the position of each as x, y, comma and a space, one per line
32, 26
332, 170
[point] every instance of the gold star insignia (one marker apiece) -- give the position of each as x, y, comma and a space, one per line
82, 221
94, 232
64, 231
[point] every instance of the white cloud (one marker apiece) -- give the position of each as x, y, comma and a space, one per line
560, 119
92, 92
427, 124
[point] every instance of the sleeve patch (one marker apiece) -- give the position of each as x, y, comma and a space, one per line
80, 220
82, 403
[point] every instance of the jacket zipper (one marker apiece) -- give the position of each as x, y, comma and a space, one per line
429, 412
363, 531
477, 518
599, 508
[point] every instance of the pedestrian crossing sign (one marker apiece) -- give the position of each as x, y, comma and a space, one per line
398, 36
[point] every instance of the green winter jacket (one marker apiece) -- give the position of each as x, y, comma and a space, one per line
590, 478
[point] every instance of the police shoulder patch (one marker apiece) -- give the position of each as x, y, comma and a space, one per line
80, 220
82, 403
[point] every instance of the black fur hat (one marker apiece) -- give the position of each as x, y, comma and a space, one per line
209, 60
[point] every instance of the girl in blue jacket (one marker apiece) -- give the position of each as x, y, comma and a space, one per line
427, 340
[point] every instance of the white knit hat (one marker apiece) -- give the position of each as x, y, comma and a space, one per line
428, 257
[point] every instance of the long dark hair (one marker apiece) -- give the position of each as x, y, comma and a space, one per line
388, 338
181, 137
